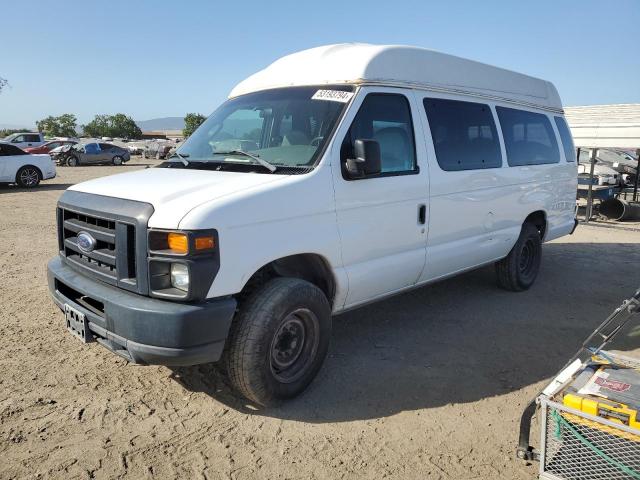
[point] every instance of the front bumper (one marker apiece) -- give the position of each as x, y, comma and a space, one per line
142, 329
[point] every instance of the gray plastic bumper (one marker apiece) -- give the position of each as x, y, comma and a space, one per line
142, 329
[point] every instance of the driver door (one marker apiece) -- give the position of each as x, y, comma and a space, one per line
382, 219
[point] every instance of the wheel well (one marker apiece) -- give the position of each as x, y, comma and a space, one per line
32, 166
306, 266
539, 219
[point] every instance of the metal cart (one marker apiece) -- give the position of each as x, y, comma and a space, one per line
575, 445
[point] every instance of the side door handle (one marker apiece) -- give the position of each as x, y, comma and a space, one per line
422, 214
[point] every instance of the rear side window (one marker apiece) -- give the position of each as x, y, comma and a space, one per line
464, 134
6, 150
566, 139
386, 118
32, 138
528, 137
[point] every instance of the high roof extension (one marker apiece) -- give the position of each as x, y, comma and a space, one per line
358, 63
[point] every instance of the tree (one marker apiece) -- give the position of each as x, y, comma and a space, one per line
5, 132
61, 126
118, 125
3, 83
191, 122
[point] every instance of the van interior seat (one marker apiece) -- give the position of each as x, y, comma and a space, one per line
295, 137
395, 149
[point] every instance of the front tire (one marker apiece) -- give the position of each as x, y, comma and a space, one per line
278, 341
518, 270
73, 161
28, 177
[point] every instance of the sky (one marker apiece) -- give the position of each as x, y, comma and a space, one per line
159, 58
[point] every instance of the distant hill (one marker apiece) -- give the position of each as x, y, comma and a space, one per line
165, 123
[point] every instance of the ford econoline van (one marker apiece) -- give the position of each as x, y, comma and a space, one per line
335, 177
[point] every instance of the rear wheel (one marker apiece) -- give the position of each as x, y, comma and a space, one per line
117, 160
28, 177
278, 341
518, 270
73, 161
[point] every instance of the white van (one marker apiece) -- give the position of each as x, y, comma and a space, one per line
334, 177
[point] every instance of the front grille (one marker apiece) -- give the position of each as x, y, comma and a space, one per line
119, 228
113, 259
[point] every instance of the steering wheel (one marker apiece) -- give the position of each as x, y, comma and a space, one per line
316, 141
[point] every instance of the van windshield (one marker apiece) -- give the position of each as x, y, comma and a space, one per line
285, 127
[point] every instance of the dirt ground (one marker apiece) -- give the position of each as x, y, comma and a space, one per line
429, 384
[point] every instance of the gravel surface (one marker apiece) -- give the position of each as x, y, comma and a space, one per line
429, 384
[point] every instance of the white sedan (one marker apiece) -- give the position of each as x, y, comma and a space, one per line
18, 166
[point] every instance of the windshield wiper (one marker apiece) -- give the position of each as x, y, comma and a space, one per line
183, 158
272, 168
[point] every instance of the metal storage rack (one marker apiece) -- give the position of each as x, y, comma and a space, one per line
575, 445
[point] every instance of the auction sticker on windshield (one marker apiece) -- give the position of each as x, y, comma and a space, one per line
333, 95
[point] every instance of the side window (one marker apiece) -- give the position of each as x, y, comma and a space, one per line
528, 137
566, 139
385, 118
105, 146
33, 138
19, 139
6, 150
464, 134
91, 148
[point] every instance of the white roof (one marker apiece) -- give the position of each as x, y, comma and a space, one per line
605, 125
359, 63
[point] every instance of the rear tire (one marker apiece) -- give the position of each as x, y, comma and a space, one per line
73, 161
117, 160
278, 340
28, 177
518, 270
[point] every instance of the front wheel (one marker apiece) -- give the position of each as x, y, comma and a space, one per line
518, 270
73, 161
28, 177
278, 341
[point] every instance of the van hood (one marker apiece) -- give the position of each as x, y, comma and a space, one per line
174, 192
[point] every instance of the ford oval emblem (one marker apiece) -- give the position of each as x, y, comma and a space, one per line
86, 242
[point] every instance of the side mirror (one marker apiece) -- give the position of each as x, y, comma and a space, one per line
367, 161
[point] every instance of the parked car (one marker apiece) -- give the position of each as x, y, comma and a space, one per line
95, 153
49, 146
157, 150
136, 148
25, 139
25, 169
351, 192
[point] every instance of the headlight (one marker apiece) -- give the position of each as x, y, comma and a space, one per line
182, 263
180, 276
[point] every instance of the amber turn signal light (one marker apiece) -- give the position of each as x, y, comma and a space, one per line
204, 243
178, 242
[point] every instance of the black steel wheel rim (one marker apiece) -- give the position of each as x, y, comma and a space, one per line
294, 345
527, 258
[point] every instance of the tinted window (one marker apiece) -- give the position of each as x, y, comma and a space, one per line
464, 134
32, 138
6, 150
528, 137
567, 140
385, 118
92, 148
106, 146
